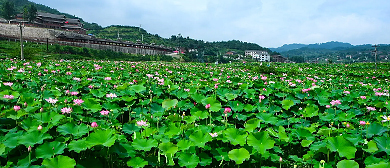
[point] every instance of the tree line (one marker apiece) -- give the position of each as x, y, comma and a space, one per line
9, 11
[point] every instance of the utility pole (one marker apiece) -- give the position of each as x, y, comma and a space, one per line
21, 40
375, 51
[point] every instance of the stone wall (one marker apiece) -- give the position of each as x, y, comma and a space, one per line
43, 34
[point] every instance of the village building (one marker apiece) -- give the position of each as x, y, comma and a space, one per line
278, 58
52, 21
262, 56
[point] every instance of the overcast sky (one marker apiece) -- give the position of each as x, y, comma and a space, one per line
269, 23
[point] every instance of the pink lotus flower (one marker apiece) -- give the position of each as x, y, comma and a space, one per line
39, 127
378, 94
8, 84
66, 110
347, 92
213, 134
111, 95
74, 93
362, 123
78, 101
94, 124
263, 78
215, 79
261, 97
363, 97
207, 106
107, 78
227, 110
16, 108
10, 97
141, 123
104, 112
348, 125
371, 108
327, 106
52, 101
335, 102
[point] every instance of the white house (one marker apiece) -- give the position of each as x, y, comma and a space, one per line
258, 55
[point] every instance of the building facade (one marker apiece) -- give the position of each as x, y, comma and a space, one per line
278, 58
262, 56
53, 21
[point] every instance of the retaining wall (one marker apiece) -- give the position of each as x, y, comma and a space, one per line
44, 34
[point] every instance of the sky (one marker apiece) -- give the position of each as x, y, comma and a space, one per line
269, 23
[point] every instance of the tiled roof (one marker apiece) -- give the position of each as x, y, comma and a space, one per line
49, 15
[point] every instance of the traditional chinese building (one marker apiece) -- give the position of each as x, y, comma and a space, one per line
53, 21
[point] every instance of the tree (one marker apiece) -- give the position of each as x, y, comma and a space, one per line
297, 59
30, 13
8, 9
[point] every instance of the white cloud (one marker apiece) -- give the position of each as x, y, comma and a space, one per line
267, 23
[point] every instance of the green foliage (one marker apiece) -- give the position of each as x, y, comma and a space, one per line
137, 162
48, 150
101, 137
59, 162
150, 124
30, 13
8, 10
342, 146
347, 164
239, 155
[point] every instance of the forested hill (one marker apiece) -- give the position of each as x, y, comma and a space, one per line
327, 45
131, 33
359, 53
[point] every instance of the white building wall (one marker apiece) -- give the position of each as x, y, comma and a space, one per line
261, 56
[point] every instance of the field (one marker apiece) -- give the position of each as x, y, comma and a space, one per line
143, 114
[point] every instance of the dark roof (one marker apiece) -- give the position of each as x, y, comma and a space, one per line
71, 27
49, 15
73, 21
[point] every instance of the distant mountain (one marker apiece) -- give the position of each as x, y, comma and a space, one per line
338, 53
327, 45
287, 47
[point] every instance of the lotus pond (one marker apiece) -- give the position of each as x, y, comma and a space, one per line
154, 114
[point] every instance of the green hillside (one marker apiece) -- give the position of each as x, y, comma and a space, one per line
360, 53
